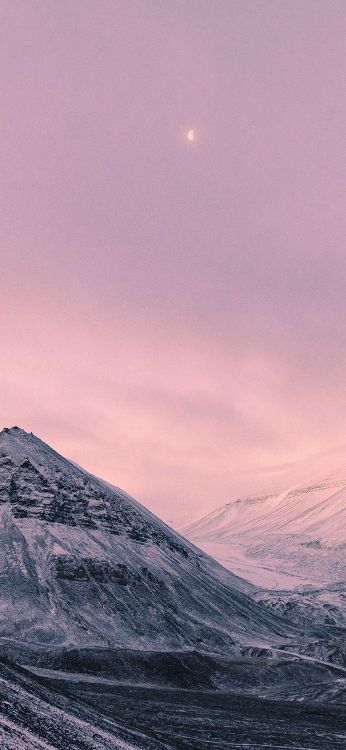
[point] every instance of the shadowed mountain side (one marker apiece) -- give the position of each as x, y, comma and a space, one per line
34, 716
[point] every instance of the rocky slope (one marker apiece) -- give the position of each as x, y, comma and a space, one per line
82, 564
36, 717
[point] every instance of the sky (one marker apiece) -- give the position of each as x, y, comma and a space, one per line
173, 312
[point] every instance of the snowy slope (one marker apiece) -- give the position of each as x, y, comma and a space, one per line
83, 564
296, 537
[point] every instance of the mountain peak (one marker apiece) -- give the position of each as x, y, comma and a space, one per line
16, 435
14, 431
17, 444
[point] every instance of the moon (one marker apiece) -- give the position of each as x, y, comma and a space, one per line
191, 134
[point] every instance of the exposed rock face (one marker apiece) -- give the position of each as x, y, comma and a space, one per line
81, 563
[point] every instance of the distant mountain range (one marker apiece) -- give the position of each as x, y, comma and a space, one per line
295, 538
291, 546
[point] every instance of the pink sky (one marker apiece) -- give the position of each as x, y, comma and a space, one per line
173, 315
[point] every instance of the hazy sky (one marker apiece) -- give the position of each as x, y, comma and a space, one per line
173, 314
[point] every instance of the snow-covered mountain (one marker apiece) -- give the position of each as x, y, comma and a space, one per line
83, 564
297, 537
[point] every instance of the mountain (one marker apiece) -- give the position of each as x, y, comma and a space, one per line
83, 564
295, 538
